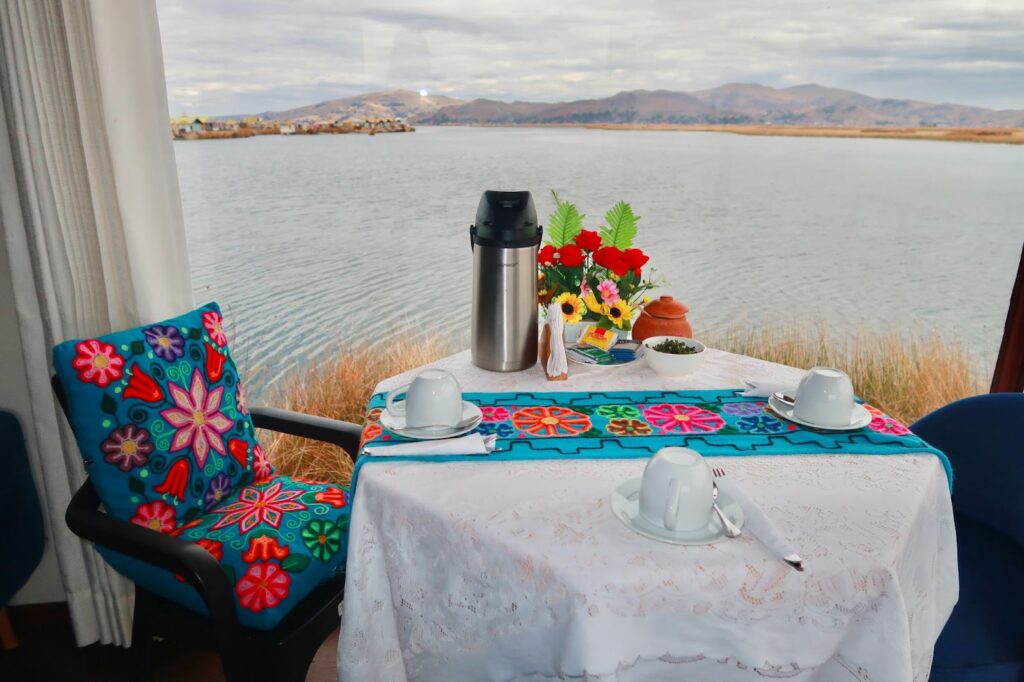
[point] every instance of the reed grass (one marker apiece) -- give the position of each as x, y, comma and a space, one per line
906, 375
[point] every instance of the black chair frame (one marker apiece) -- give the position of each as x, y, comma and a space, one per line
281, 654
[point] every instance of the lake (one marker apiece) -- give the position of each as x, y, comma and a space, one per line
311, 241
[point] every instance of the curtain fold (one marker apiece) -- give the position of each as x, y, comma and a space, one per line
92, 224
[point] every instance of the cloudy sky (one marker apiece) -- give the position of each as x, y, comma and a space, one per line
235, 56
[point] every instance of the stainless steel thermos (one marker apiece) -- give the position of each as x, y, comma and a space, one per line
504, 241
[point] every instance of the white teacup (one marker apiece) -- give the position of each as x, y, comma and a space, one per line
434, 398
824, 397
675, 492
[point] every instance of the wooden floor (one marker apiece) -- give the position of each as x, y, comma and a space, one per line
47, 652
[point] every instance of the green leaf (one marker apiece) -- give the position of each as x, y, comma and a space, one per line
195, 333
190, 514
564, 223
620, 226
136, 485
138, 348
295, 563
108, 405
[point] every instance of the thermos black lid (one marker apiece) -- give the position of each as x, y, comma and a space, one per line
506, 219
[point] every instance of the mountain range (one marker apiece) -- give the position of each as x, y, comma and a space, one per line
733, 103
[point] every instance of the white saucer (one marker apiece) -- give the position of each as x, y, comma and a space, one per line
626, 506
471, 418
859, 418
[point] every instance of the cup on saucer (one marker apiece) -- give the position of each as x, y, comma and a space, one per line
824, 398
675, 491
432, 399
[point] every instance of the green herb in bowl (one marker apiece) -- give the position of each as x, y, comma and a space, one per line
676, 347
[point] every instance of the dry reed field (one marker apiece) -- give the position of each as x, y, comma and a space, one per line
906, 375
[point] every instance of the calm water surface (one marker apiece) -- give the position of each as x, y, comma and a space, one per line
308, 242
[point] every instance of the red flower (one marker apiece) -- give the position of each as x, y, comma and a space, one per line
212, 546
214, 324
264, 548
263, 586
156, 515
142, 386
613, 259
97, 363
546, 256
214, 363
256, 506
239, 449
336, 497
636, 259
570, 255
588, 240
176, 480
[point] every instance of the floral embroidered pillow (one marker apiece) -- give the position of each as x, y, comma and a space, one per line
159, 415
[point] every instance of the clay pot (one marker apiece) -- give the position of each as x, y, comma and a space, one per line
663, 317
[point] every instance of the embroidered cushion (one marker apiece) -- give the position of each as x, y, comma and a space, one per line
277, 539
159, 414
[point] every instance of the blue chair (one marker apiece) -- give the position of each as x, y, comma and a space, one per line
984, 439
21, 521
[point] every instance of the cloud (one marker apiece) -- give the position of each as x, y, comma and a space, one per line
229, 57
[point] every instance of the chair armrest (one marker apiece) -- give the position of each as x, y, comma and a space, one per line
343, 434
189, 560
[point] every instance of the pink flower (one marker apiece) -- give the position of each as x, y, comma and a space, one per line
261, 467
156, 515
240, 399
97, 363
494, 414
609, 291
197, 418
214, 324
263, 586
884, 424
684, 418
256, 506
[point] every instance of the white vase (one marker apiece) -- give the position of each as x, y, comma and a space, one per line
573, 331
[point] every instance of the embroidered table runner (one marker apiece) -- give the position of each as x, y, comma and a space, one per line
636, 424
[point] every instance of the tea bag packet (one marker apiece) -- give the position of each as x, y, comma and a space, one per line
552, 346
598, 338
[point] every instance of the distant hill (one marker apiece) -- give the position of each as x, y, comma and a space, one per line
731, 103
388, 104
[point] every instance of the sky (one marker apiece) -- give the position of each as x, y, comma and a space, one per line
247, 56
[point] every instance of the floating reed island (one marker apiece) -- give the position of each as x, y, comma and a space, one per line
205, 128
905, 374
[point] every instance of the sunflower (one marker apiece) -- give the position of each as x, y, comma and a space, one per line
591, 300
572, 307
619, 312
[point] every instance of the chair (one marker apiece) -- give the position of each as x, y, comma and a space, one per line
21, 521
983, 641
219, 509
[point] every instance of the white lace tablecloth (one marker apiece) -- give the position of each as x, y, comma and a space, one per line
519, 571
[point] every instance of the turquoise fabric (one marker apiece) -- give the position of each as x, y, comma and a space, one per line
160, 418
636, 424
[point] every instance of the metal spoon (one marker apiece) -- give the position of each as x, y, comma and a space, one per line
731, 530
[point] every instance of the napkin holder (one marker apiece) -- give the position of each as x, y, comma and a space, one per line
552, 346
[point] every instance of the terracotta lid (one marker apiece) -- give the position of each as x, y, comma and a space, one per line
666, 307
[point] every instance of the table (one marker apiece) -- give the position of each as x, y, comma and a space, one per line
518, 570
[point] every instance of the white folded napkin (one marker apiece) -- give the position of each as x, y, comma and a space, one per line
757, 523
764, 389
472, 444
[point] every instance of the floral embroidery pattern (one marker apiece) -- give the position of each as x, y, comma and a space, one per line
261, 467
97, 363
618, 412
551, 421
370, 431
628, 427
494, 414
176, 481
263, 586
214, 325
217, 491
166, 342
127, 447
322, 538
761, 423
885, 424
256, 506
500, 429
744, 409
683, 418
336, 497
197, 418
156, 515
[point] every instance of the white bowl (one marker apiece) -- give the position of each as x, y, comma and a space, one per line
669, 364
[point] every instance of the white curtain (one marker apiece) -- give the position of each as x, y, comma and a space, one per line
92, 224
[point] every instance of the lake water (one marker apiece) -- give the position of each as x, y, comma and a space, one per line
310, 241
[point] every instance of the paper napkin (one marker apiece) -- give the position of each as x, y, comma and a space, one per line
756, 522
473, 444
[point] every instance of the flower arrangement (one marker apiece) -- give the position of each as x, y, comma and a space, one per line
594, 275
